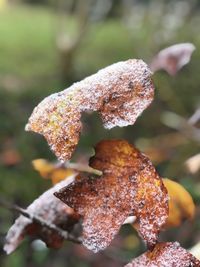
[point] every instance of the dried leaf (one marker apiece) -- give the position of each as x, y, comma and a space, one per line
49, 208
181, 205
173, 58
119, 93
53, 171
166, 255
129, 186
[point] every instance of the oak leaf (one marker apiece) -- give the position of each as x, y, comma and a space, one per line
49, 208
166, 255
181, 205
129, 186
54, 171
120, 93
172, 58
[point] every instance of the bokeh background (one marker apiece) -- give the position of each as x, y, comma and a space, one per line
47, 45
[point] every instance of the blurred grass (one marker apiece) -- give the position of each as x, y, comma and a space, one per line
26, 39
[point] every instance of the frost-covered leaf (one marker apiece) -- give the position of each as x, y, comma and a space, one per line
129, 186
49, 208
181, 205
54, 171
119, 93
166, 255
172, 58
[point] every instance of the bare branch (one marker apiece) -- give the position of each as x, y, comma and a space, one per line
180, 124
41, 221
82, 168
195, 117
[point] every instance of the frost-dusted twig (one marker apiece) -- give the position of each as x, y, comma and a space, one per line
41, 221
51, 210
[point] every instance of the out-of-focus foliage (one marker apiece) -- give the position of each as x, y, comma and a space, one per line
51, 211
55, 172
30, 70
58, 116
181, 205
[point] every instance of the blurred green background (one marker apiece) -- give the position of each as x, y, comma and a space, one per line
45, 46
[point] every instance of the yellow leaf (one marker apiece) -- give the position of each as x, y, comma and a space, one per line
181, 205
51, 171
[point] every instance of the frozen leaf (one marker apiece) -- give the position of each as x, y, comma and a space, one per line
54, 171
181, 205
119, 93
129, 186
173, 58
49, 208
166, 255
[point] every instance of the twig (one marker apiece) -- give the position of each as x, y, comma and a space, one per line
82, 168
195, 117
180, 124
41, 221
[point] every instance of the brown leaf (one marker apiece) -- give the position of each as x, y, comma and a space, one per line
119, 93
53, 171
129, 186
181, 205
49, 208
166, 255
173, 58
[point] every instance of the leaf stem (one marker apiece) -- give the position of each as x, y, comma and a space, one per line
82, 168
41, 221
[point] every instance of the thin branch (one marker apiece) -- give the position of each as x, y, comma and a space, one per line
41, 221
195, 117
180, 124
82, 168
